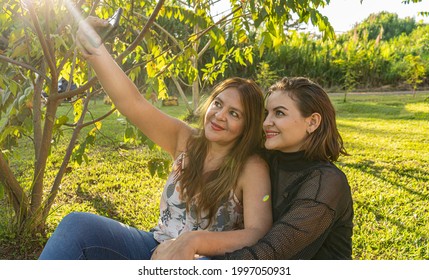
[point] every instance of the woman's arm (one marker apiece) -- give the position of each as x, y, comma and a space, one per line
255, 185
169, 133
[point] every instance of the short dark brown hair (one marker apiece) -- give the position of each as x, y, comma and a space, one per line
325, 143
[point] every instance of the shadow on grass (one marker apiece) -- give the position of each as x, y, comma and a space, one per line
415, 173
411, 227
103, 206
405, 223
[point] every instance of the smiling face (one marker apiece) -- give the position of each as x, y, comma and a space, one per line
224, 119
284, 126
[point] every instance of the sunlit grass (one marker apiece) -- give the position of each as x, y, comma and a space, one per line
388, 138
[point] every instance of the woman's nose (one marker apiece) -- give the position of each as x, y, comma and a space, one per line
268, 121
220, 115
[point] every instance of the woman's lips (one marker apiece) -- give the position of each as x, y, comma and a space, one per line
216, 126
270, 134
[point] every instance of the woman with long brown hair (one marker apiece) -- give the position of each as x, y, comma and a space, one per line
218, 187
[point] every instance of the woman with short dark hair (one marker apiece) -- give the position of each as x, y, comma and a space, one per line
311, 198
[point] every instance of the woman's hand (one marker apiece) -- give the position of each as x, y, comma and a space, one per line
176, 249
87, 38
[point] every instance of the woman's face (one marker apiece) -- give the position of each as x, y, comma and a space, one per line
284, 126
224, 119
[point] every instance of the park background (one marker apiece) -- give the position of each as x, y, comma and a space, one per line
66, 149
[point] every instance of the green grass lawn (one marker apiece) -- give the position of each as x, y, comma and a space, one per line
387, 136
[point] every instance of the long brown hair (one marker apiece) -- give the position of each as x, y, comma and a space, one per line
209, 191
325, 143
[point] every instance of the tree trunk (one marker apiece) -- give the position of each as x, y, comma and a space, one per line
14, 190
182, 94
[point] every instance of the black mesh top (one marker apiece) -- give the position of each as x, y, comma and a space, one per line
312, 211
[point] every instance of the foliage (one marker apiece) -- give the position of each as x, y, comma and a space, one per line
265, 77
388, 24
414, 71
353, 60
41, 51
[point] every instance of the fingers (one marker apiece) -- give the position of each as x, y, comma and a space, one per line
85, 53
87, 39
96, 22
162, 251
172, 250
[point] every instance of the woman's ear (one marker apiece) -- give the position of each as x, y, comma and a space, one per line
313, 122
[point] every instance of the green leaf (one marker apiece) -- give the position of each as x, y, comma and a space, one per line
19, 51
78, 153
61, 120
6, 96
13, 131
153, 167
129, 134
14, 87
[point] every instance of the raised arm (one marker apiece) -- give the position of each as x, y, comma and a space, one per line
255, 185
169, 133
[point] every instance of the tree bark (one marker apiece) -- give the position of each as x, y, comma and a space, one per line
18, 197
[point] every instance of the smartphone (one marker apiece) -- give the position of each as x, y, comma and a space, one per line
113, 25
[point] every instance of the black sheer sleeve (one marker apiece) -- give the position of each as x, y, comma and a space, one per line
298, 234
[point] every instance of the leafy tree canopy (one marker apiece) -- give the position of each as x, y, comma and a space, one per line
386, 25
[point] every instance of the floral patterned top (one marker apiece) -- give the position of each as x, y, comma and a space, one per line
174, 219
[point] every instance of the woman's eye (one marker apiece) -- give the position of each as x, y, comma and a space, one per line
279, 113
234, 114
217, 104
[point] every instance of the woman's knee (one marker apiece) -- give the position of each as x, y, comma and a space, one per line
76, 222
77, 217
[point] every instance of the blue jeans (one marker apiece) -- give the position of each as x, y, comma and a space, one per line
85, 236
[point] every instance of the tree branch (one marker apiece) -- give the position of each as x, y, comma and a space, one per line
182, 94
60, 174
198, 37
99, 118
45, 46
142, 33
130, 48
37, 114
40, 165
25, 66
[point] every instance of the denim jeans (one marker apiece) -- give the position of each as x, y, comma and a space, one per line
83, 236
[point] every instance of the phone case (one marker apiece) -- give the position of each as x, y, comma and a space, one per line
106, 32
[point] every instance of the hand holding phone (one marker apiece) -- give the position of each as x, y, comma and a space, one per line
112, 26
93, 31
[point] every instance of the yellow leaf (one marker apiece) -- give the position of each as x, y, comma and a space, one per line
20, 50
77, 109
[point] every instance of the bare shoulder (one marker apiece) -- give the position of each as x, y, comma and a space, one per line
255, 162
255, 171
